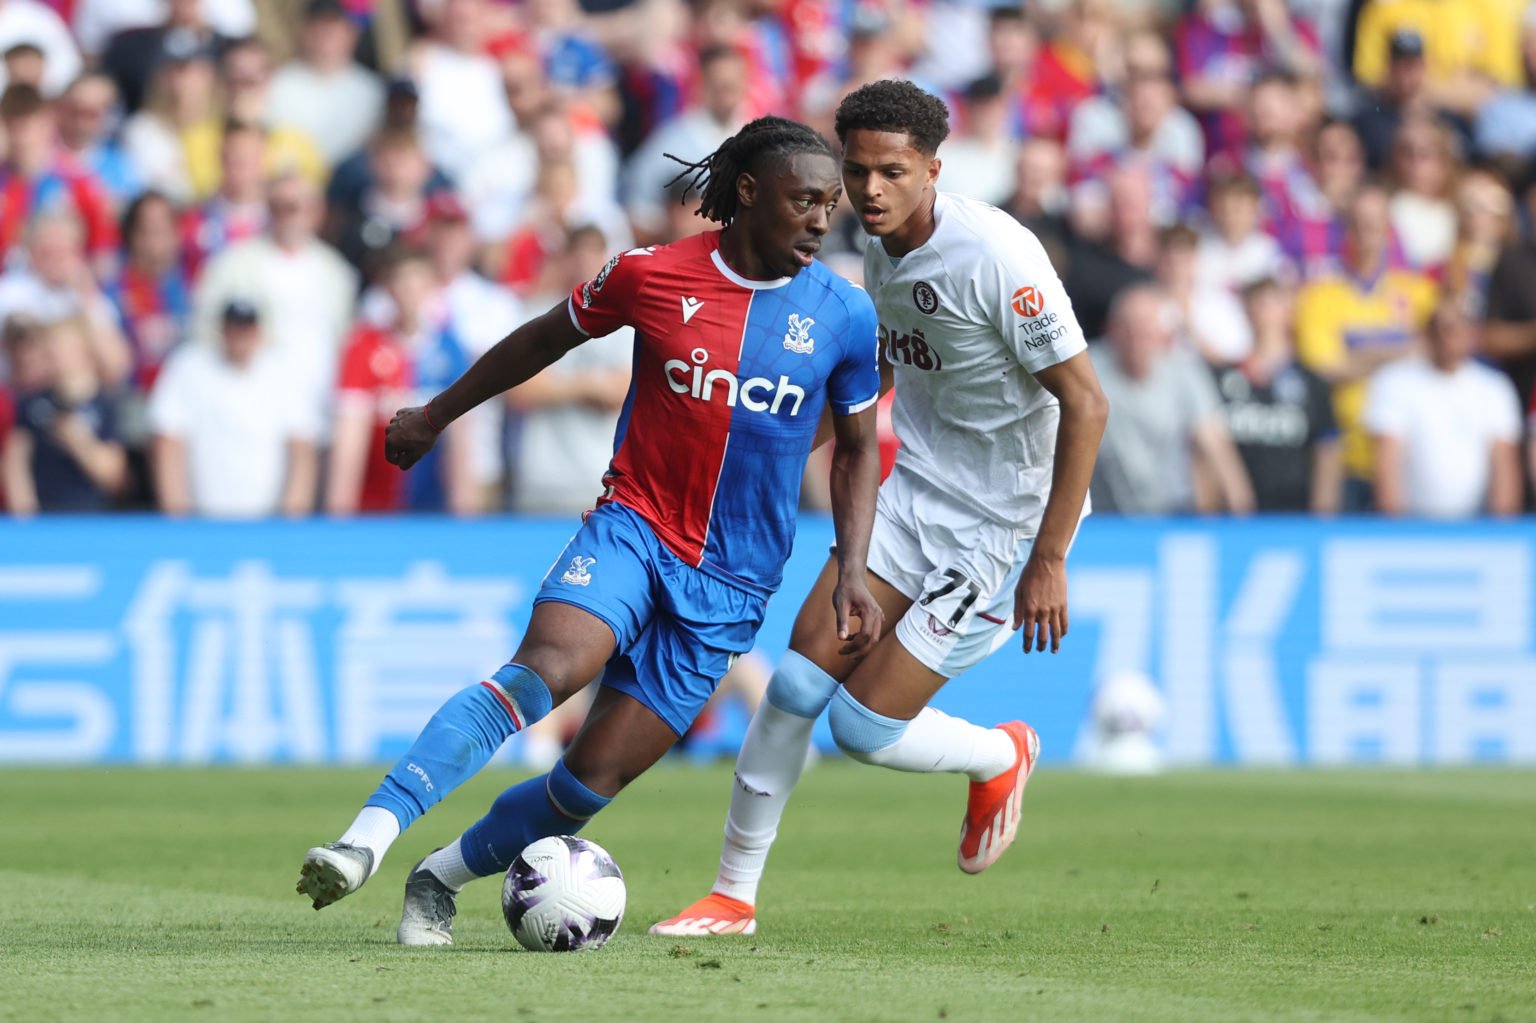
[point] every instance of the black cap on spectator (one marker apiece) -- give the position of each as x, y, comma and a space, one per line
241, 312
1406, 44
401, 87
181, 46
988, 86
316, 9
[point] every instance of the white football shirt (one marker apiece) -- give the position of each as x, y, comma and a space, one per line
966, 319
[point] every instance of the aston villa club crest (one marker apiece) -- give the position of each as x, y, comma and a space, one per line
925, 298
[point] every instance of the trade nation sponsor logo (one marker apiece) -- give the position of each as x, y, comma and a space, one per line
1040, 327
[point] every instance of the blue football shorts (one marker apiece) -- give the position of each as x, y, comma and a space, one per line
679, 629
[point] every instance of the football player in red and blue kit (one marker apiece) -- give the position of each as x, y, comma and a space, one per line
741, 340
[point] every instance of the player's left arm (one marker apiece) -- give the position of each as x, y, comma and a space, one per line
1040, 602
852, 391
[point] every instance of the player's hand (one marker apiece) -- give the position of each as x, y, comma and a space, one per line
852, 599
1040, 603
408, 438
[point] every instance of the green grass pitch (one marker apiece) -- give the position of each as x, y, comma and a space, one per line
168, 895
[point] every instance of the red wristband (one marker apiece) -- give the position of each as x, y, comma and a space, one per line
434, 426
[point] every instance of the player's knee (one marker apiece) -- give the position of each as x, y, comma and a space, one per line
799, 687
564, 672
860, 732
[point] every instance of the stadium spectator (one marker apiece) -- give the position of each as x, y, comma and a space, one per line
1040, 197
30, 22
1509, 335
579, 69
62, 454
39, 178
133, 55
95, 22
1237, 251
1485, 215
24, 64
1469, 47
228, 442
464, 110
245, 71
304, 290
1142, 122
238, 210
1338, 167
1351, 322
1404, 90
383, 369
87, 114
981, 159
720, 111
480, 313
181, 103
1167, 416
54, 282
355, 175
1280, 415
1423, 206
1105, 257
1205, 316
568, 414
1222, 47
153, 291
1014, 45
1288, 193
394, 208
1446, 429
324, 94
1506, 125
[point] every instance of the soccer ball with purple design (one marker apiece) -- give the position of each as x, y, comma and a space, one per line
563, 894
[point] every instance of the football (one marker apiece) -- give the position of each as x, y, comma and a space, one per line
563, 894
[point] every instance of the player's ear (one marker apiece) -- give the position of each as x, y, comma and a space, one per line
933, 169
746, 190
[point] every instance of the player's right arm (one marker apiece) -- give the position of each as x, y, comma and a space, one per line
598, 307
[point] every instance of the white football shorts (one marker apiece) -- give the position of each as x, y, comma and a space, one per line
958, 567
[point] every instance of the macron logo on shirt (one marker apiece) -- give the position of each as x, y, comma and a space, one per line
691, 305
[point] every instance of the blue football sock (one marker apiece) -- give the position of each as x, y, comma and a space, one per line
551, 804
463, 734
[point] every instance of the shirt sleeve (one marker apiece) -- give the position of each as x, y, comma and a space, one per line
168, 413
855, 382
1387, 411
1503, 410
1025, 300
1202, 400
607, 302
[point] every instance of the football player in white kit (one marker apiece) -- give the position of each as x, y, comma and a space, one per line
999, 415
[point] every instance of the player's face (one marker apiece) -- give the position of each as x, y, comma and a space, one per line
792, 209
886, 176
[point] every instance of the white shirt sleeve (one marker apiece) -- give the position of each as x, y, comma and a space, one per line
1024, 299
1388, 409
169, 410
1502, 409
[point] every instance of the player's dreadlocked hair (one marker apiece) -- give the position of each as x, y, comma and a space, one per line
896, 106
715, 175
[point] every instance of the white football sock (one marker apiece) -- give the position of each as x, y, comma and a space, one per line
447, 865
769, 765
375, 830
936, 743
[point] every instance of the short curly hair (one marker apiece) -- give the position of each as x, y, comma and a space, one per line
897, 106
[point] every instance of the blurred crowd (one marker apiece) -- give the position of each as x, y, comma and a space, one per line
236, 235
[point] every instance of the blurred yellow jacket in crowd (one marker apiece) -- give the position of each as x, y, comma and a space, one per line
1458, 35
1344, 314
288, 151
